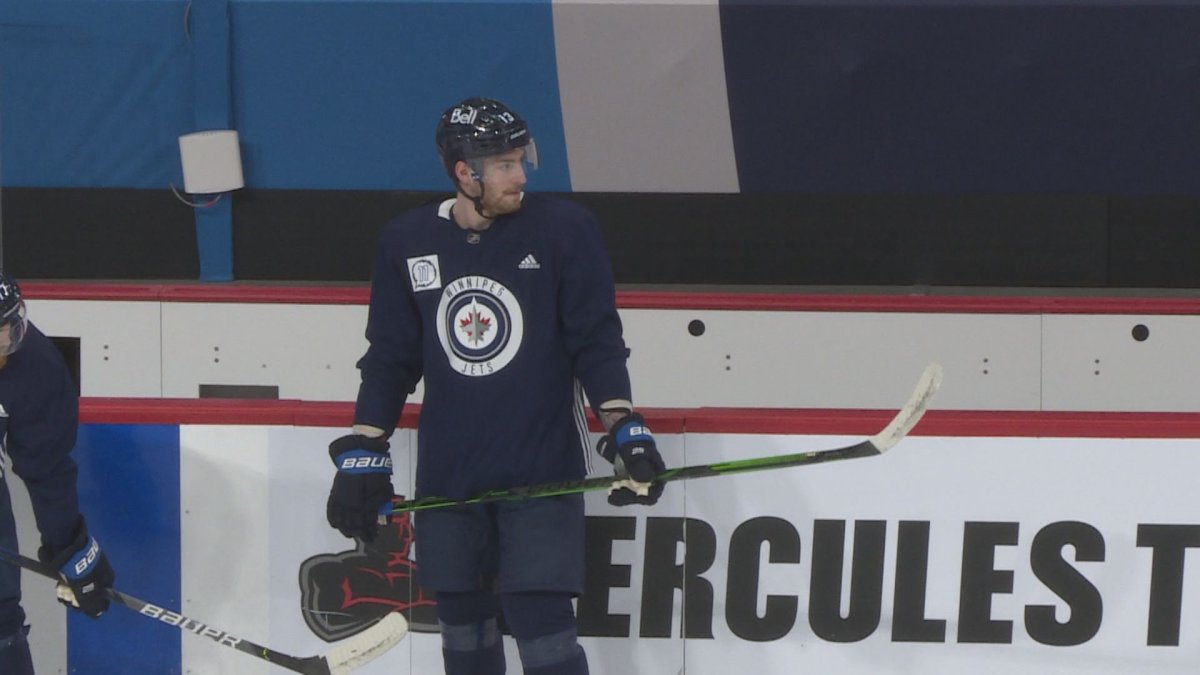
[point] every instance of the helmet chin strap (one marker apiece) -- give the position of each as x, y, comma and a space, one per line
478, 201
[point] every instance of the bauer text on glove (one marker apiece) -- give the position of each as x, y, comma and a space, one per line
86, 574
362, 487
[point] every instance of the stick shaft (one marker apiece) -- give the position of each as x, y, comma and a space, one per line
863, 449
896, 429
313, 665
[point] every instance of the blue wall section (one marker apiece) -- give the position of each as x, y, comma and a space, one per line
93, 94
129, 492
331, 95
347, 94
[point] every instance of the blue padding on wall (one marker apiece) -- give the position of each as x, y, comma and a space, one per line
93, 94
327, 95
209, 20
214, 239
964, 97
129, 492
346, 95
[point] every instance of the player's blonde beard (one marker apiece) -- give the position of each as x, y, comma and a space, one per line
490, 207
505, 204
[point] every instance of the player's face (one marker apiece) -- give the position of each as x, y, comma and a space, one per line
503, 182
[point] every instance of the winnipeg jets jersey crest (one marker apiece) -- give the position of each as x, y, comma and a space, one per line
479, 324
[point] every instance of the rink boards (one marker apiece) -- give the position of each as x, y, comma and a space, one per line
986, 543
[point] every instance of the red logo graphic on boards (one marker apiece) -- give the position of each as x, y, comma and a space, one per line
343, 594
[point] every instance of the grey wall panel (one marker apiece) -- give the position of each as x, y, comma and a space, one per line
1095, 363
769, 359
643, 96
120, 347
832, 360
308, 351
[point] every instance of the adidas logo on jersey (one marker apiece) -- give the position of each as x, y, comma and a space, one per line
529, 263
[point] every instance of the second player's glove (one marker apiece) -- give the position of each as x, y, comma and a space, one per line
630, 447
362, 489
86, 574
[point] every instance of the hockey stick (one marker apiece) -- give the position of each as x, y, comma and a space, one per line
878, 444
340, 660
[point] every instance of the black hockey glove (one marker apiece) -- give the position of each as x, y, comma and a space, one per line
631, 449
86, 574
362, 488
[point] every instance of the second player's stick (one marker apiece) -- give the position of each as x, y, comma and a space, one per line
346, 656
878, 444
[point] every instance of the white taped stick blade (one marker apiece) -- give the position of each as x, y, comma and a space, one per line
913, 410
367, 645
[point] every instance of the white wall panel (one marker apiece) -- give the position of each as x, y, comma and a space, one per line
788, 359
831, 360
1095, 363
225, 527
308, 351
120, 349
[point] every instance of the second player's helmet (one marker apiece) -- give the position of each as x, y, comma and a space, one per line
480, 127
12, 315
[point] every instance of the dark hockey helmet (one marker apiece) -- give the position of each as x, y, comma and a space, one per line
12, 315
480, 127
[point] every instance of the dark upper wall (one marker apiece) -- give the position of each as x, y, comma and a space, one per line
943, 143
964, 96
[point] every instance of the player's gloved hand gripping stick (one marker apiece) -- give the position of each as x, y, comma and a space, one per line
630, 448
84, 573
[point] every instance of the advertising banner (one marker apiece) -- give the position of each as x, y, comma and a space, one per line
945, 555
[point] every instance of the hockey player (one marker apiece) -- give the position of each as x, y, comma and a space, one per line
39, 415
504, 303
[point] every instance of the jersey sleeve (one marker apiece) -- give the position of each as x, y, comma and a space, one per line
391, 367
41, 434
591, 325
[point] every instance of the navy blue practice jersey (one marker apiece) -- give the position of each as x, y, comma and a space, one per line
39, 418
506, 326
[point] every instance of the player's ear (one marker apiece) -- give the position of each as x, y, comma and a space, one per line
464, 173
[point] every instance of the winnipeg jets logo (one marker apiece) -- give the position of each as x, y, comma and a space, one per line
479, 324
474, 325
